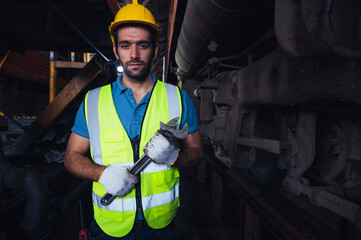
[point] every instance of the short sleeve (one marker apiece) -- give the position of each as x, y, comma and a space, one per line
189, 113
80, 126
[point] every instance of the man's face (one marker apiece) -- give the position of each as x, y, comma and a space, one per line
135, 52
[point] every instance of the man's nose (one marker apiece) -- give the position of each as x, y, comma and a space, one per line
134, 53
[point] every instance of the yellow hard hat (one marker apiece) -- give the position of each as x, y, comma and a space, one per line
133, 13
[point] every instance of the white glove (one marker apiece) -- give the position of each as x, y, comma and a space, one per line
160, 150
117, 180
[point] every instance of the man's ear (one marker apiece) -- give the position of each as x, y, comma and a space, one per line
115, 51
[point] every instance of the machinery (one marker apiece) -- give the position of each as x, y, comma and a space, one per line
277, 87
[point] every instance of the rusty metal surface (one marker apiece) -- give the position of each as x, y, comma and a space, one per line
31, 66
281, 80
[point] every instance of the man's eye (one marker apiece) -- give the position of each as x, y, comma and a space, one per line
144, 46
124, 46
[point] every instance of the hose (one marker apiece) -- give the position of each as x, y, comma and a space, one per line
37, 195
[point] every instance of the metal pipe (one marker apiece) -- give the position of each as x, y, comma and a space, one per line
75, 29
219, 61
72, 57
37, 194
193, 39
229, 66
320, 197
52, 78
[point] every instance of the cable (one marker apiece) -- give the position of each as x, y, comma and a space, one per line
75, 28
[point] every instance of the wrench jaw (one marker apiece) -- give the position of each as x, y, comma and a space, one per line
172, 123
171, 127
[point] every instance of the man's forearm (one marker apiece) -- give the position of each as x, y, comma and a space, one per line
189, 157
83, 167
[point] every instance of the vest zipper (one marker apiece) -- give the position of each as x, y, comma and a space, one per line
135, 146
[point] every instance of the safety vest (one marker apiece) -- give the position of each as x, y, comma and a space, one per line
110, 144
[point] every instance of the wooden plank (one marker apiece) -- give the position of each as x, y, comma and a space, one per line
4, 59
113, 5
268, 145
64, 64
50, 114
74, 87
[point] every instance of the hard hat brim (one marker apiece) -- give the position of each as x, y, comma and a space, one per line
115, 26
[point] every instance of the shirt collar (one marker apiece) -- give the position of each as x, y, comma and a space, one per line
120, 88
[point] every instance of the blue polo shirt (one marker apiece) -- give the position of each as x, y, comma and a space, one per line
131, 114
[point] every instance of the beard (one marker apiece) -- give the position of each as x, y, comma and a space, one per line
139, 75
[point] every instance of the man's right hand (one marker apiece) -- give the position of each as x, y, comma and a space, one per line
117, 180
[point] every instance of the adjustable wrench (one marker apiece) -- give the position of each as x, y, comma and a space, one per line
170, 132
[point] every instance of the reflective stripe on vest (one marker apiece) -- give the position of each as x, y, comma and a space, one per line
92, 99
111, 145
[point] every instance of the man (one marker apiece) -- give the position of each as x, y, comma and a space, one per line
118, 123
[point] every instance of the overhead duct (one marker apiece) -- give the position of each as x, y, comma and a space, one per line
210, 22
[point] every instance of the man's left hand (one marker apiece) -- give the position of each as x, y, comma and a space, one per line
160, 150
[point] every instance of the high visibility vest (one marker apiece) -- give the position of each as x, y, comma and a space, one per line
110, 144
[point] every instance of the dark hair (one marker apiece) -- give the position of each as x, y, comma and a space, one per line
152, 32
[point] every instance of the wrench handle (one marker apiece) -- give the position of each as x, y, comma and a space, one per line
135, 169
140, 164
107, 199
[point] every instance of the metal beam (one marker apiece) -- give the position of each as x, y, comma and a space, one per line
268, 145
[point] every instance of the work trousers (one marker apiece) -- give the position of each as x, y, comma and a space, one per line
139, 232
